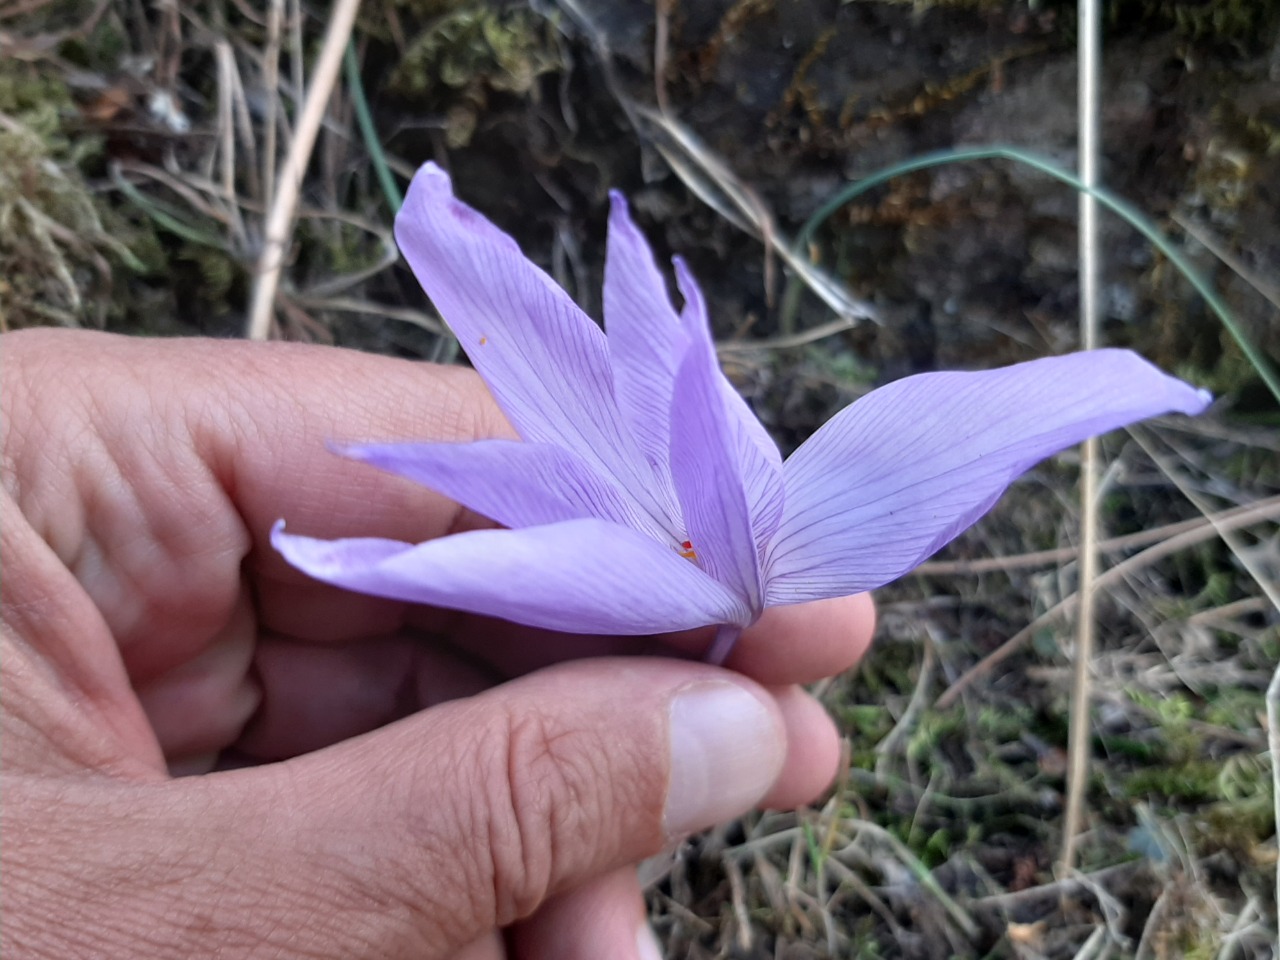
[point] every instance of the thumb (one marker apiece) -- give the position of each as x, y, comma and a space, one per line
426, 834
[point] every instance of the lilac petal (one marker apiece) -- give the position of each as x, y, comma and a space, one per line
895, 476
646, 340
517, 484
581, 576
706, 469
545, 361
760, 463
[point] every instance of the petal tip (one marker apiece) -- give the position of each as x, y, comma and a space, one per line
620, 215
429, 179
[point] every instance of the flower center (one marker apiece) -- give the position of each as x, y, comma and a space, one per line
687, 551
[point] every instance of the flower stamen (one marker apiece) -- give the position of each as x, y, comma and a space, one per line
687, 551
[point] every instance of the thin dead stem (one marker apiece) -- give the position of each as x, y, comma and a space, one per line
919, 702
661, 50
1272, 593
1044, 558
1227, 533
280, 219
271, 87
1268, 290
227, 83
1080, 736
1264, 510
812, 335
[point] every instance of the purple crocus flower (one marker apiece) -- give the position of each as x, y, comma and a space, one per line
645, 496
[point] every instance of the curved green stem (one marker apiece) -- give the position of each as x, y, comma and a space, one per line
1122, 209
364, 117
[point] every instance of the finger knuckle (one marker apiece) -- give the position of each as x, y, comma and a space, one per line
548, 790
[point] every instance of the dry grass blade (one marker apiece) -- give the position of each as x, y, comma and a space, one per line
738, 897
661, 46
896, 738
228, 83
289, 182
1272, 593
719, 188
922, 874
371, 309
271, 91
812, 335
1225, 531
1261, 512
1269, 290
711, 180
1094, 946
1043, 558
21, 8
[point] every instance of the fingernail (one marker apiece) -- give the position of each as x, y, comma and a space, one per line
726, 751
647, 944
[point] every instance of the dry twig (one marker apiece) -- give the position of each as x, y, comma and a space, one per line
1089, 53
289, 182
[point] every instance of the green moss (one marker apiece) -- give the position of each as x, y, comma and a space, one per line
868, 723
1195, 781
937, 848
218, 274
1141, 751
1236, 709
937, 738
334, 248
56, 256
1004, 723
42, 104
470, 51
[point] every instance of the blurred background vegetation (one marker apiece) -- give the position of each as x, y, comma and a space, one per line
139, 144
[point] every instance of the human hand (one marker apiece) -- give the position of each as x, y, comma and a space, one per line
379, 780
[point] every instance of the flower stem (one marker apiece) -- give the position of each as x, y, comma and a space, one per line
727, 635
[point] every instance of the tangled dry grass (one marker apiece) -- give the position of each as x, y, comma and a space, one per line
141, 150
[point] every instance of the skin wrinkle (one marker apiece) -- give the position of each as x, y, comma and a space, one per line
78, 659
338, 923
39, 478
129, 867
114, 514
53, 735
521, 863
341, 914
446, 913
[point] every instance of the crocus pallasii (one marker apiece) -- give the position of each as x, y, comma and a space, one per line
644, 496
